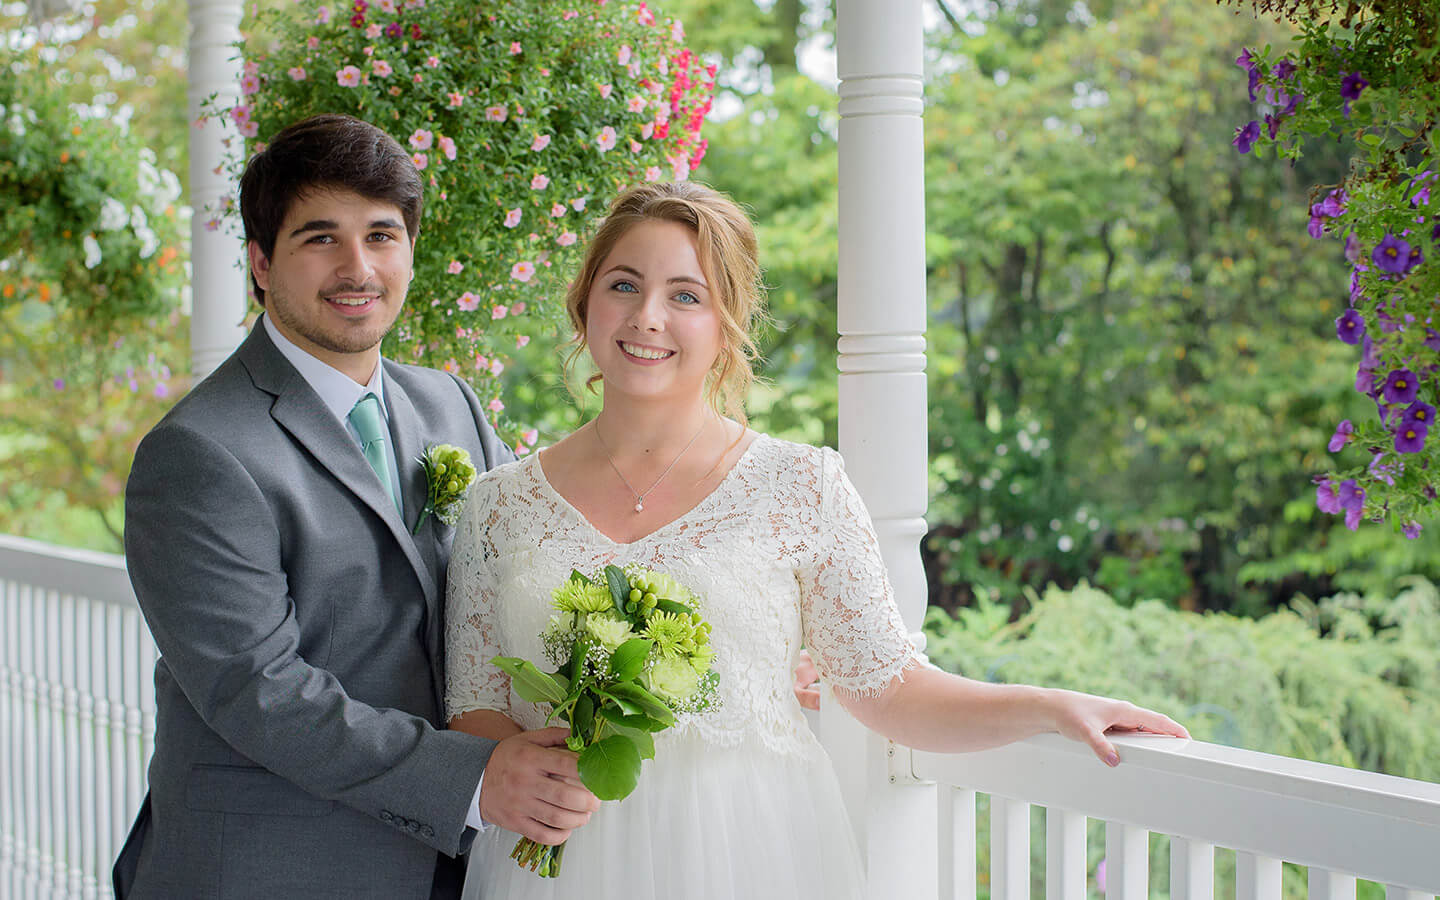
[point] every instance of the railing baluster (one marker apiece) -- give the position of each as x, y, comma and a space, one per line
1192, 870
73, 857
105, 775
1009, 849
115, 718
1256, 877
1327, 885
52, 792
958, 811
30, 741
1127, 862
1065, 863
10, 796
85, 687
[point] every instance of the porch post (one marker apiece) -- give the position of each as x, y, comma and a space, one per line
217, 278
880, 57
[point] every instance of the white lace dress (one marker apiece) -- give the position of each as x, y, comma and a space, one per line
739, 802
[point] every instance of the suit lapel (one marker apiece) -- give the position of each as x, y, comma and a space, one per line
405, 428
300, 412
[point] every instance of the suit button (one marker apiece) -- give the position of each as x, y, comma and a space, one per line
427, 831
385, 816
414, 826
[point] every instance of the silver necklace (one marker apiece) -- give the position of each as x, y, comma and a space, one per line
641, 495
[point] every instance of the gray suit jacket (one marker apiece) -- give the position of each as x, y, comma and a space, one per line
299, 750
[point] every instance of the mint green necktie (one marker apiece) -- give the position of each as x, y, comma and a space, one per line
370, 425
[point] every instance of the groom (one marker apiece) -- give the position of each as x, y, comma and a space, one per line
300, 749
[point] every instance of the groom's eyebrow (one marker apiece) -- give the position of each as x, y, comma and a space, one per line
332, 225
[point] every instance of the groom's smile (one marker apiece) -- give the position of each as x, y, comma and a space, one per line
337, 278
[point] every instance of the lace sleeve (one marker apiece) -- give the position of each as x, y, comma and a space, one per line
470, 615
851, 624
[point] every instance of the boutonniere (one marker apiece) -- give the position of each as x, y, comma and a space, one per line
448, 473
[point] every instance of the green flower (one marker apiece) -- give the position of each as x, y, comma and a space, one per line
582, 597
674, 635
702, 659
610, 631
661, 585
448, 474
673, 679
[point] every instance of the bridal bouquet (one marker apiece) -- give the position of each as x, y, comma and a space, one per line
630, 652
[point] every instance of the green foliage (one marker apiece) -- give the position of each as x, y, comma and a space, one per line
91, 281
525, 120
1352, 681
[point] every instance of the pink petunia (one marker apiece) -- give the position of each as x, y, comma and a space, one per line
566, 238
569, 14
521, 340
496, 367
417, 77
644, 16
578, 204
250, 84
312, 42
420, 160
635, 105
482, 362
432, 62
381, 68
495, 405
387, 6
373, 30
422, 139
605, 90
652, 173
456, 98
540, 143
322, 15
496, 114
212, 224
635, 146
240, 114
539, 183
248, 129
467, 301
622, 57
605, 140
557, 210
512, 218
296, 73
447, 147
517, 308
515, 48
530, 436
521, 271
677, 31
500, 312
456, 267
251, 67
647, 129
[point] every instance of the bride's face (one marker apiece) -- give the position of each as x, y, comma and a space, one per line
652, 324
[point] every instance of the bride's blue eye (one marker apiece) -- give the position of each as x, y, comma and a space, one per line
687, 298
624, 287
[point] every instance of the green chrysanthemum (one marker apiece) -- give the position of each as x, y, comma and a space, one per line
582, 597
674, 635
608, 630
702, 659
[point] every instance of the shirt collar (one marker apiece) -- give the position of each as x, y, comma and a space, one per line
337, 390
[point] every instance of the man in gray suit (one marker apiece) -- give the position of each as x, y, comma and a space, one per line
300, 749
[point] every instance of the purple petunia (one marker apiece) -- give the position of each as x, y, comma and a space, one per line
1341, 436
1432, 339
1419, 411
1352, 500
1247, 62
1412, 530
1326, 499
1400, 386
1350, 326
1392, 255
1410, 438
1334, 204
1246, 135
1352, 85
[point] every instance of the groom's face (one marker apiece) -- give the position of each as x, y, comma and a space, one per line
336, 280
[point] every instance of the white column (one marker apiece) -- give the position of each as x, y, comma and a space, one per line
880, 58
217, 280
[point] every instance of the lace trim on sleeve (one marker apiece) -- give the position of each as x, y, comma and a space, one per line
852, 625
471, 639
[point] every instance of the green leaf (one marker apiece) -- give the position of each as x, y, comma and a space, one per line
582, 720
643, 741
529, 682
610, 768
632, 721
671, 606
577, 575
619, 585
628, 660
626, 707
649, 704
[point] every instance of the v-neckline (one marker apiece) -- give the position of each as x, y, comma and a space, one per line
699, 504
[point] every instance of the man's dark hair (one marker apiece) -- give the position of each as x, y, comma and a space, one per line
325, 152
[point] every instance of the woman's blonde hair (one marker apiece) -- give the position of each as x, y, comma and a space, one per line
725, 241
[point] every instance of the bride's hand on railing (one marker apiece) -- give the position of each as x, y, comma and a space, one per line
1087, 719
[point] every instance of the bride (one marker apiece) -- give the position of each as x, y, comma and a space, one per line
740, 801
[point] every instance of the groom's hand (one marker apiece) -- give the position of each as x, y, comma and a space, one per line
532, 787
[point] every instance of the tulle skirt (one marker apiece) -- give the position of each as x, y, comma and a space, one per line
706, 823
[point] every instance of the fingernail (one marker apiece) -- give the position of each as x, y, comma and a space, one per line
1113, 759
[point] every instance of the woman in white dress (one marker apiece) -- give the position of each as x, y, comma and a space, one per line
740, 801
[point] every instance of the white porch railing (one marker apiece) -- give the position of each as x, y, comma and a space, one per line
77, 718
77, 721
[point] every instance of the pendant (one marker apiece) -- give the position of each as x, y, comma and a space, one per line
639, 506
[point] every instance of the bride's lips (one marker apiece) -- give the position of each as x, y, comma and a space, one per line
631, 350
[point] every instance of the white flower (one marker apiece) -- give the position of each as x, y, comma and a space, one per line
149, 243
92, 251
113, 215
610, 631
